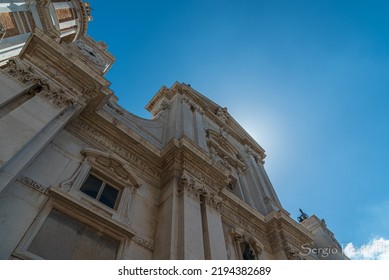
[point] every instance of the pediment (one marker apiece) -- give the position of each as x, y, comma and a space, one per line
113, 163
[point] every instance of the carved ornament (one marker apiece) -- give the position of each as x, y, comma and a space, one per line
32, 183
240, 236
192, 105
222, 114
200, 176
118, 111
113, 163
91, 133
145, 243
27, 76
239, 220
199, 191
251, 152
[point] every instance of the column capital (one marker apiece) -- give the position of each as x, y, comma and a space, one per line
28, 76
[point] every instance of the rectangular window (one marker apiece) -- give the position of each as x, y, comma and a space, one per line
101, 191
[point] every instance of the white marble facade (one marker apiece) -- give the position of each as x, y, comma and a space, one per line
82, 178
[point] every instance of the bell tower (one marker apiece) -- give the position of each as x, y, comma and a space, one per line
49, 71
60, 19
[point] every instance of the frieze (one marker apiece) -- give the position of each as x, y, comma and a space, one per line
31, 183
201, 176
119, 149
26, 75
238, 220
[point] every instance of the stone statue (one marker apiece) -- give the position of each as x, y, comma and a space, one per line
302, 217
248, 253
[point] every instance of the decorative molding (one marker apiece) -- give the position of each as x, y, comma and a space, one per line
68, 184
222, 114
222, 151
200, 192
117, 166
293, 254
163, 105
91, 133
29, 4
27, 76
70, 204
214, 201
48, 26
192, 105
147, 244
113, 107
191, 186
257, 158
240, 236
32, 183
224, 135
240, 221
200, 176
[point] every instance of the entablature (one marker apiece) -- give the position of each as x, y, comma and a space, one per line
60, 64
99, 135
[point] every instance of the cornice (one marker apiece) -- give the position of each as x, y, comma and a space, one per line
66, 200
183, 154
98, 138
206, 107
59, 63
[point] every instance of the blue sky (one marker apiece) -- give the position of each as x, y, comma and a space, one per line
308, 79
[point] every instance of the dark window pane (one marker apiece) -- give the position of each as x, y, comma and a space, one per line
109, 195
91, 186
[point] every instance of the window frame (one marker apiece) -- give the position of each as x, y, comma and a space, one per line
77, 213
101, 190
97, 163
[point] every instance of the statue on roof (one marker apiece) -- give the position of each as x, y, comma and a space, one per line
302, 217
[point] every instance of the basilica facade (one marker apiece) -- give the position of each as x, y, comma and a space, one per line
83, 178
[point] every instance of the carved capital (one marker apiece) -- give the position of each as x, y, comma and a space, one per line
190, 186
192, 105
27, 75
200, 192
238, 234
164, 106
213, 201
